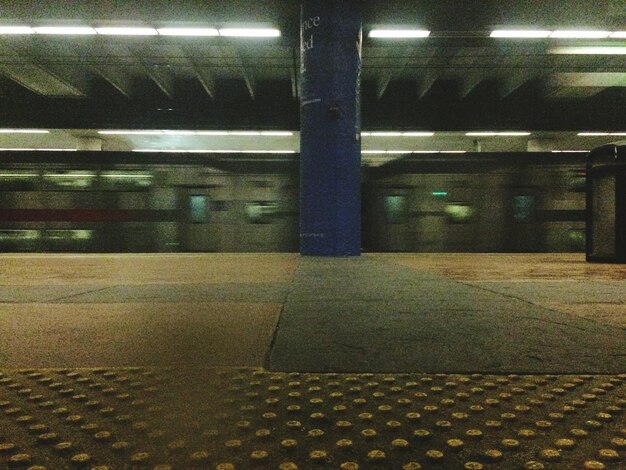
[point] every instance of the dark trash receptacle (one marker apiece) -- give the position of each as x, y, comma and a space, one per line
606, 204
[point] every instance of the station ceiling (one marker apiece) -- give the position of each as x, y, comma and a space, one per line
456, 80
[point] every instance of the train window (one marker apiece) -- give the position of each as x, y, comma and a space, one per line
16, 180
68, 235
261, 212
395, 209
129, 180
70, 179
577, 239
577, 181
198, 209
459, 212
18, 240
523, 208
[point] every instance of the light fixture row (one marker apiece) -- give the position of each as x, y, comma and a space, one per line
199, 133
601, 134
559, 34
134, 31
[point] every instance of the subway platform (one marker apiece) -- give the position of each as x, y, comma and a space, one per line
277, 361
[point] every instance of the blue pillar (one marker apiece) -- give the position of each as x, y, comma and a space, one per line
330, 127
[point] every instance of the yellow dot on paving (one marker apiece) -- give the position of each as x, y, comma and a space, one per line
315, 433
577, 432
344, 443
593, 465
368, 433
120, 445
233, 443
343, 424
473, 466
534, 465
550, 454
443, 424
413, 416
225, 466
349, 466
139, 457
421, 433
434, 454
20, 459
474, 433
455, 443
400, 444
285, 466
493, 424
604, 416
460, 416
526, 433
102, 435
262, 433
608, 454
366, 416
200, 456
411, 466
619, 442
318, 455
493, 455
565, 443
542, 424
393, 424
80, 458
288, 443
510, 444
259, 455
269, 415
376, 455
593, 424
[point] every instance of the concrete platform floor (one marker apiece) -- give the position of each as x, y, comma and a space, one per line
386, 361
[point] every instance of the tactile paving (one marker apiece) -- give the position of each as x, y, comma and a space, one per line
181, 418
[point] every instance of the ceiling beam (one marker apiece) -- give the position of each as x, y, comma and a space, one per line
33, 74
426, 82
116, 77
203, 73
247, 74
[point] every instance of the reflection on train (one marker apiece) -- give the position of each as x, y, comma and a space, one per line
129, 202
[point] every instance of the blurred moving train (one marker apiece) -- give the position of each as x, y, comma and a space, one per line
166, 202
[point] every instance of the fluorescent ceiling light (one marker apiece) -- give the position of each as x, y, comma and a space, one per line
570, 151
277, 133
65, 30
399, 33
244, 133
214, 133
618, 133
592, 134
120, 132
573, 34
125, 31
37, 150
16, 30
213, 151
179, 132
24, 131
453, 151
368, 152
386, 134
522, 33
188, 32
500, 134
250, 32
418, 134
589, 50
619, 34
